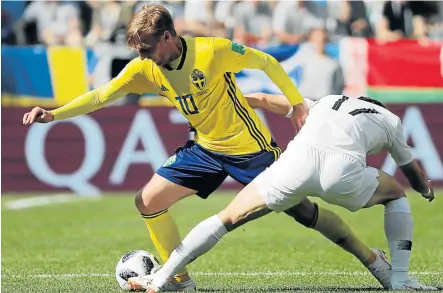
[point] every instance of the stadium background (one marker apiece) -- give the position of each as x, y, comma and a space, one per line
56, 241
48, 60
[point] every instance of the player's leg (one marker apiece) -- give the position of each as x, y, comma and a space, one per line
181, 176
360, 187
344, 183
331, 226
398, 223
398, 228
248, 205
153, 202
245, 168
274, 189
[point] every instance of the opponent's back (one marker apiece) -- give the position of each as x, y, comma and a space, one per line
356, 127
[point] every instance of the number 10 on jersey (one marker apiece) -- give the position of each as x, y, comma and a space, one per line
184, 104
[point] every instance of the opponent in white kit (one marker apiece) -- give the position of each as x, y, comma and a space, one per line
327, 159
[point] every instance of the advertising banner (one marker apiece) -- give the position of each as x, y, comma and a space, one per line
119, 148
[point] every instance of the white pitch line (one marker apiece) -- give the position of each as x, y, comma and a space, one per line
226, 274
36, 201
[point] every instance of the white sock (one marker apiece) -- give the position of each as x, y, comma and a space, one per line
200, 240
398, 231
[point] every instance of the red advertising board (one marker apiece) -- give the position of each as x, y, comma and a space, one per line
119, 148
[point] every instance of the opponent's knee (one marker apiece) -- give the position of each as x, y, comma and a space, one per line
394, 193
305, 213
392, 197
398, 192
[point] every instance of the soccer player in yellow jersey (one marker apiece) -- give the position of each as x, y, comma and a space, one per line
197, 76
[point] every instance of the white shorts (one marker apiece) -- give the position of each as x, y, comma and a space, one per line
308, 170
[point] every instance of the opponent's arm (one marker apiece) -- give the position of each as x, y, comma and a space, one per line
130, 80
277, 104
233, 57
402, 155
418, 180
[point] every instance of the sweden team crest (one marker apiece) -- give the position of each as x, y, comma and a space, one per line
170, 161
198, 78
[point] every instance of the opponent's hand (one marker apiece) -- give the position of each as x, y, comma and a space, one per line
38, 115
299, 115
430, 194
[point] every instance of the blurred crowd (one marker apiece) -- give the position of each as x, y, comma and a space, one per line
101, 26
253, 22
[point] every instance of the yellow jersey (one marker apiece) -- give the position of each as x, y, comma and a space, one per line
203, 88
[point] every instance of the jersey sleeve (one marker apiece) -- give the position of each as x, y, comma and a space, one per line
233, 57
131, 79
399, 148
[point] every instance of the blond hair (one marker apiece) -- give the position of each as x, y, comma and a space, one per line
151, 19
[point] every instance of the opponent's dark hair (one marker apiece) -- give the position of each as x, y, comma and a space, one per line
372, 101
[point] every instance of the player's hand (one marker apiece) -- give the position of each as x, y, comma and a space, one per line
430, 194
38, 115
299, 115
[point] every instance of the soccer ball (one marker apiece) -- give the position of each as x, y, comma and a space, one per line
133, 264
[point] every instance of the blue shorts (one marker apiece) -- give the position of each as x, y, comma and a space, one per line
202, 170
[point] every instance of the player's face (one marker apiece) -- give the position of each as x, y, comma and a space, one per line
155, 48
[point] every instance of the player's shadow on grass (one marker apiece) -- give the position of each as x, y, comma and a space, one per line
294, 289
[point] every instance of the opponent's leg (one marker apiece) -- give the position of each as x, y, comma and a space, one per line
398, 230
307, 213
153, 202
330, 225
246, 206
398, 223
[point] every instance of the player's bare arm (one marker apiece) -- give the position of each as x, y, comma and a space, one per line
238, 57
418, 180
402, 154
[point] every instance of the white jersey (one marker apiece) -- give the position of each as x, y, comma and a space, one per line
355, 127
327, 159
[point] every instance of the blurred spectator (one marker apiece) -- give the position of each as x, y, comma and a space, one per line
12, 11
126, 12
350, 18
58, 22
223, 13
175, 7
321, 75
436, 21
374, 11
318, 8
200, 19
398, 22
253, 22
292, 22
105, 19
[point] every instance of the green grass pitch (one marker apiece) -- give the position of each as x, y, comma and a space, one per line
73, 247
